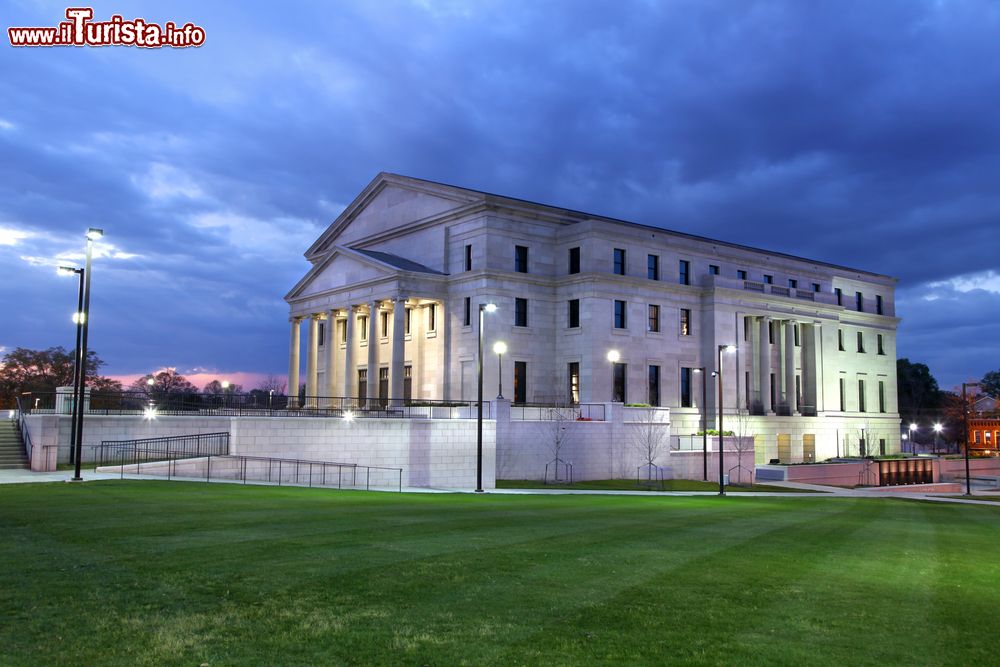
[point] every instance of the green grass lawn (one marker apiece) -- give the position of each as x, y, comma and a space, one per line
152, 573
631, 485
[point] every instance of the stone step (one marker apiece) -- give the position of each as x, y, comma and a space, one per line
13, 466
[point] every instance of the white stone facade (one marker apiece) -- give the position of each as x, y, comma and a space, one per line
812, 372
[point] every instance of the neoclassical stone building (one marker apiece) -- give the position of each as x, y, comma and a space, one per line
390, 307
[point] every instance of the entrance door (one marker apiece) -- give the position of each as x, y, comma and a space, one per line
785, 447
383, 387
809, 448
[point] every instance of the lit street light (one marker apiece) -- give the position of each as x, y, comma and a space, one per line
77, 366
483, 309
500, 348
722, 348
937, 433
613, 357
92, 235
913, 435
704, 420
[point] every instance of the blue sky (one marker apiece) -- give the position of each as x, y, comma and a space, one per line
858, 133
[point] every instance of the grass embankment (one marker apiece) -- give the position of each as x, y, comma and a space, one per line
631, 485
179, 573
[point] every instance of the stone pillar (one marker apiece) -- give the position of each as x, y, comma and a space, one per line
311, 358
332, 344
371, 390
350, 372
810, 384
293, 364
398, 342
764, 368
790, 366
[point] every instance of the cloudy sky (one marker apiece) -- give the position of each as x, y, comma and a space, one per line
860, 133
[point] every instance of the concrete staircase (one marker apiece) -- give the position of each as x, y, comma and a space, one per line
12, 456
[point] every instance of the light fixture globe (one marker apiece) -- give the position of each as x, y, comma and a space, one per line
614, 356
500, 347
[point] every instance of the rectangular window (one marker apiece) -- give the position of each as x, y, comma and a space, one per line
619, 262
654, 318
407, 383
654, 386
573, 314
793, 283
684, 272
815, 287
322, 334
383, 387
878, 304
521, 258
774, 391
685, 321
468, 258
713, 269
467, 318
795, 330
685, 387
798, 393
770, 332
881, 348
573, 372
881, 396
363, 326
432, 317
741, 274
843, 395
574, 260
653, 267
384, 323
840, 296
861, 341
861, 396
343, 331
621, 315
768, 279
840, 339
406, 321
362, 386
520, 381
859, 300
619, 375
746, 327
520, 312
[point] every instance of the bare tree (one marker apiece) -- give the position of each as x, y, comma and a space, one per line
742, 441
555, 428
272, 383
651, 439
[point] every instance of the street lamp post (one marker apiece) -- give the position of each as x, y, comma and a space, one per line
483, 309
78, 318
722, 485
937, 435
500, 348
965, 422
92, 235
913, 435
704, 420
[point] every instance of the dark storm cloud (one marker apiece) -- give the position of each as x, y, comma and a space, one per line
857, 133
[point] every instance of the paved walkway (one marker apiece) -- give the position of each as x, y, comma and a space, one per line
27, 477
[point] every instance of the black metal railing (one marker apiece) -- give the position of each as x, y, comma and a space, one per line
156, 449
268, 470
547, 411
255, 404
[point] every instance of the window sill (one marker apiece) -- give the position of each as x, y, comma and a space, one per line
432, 334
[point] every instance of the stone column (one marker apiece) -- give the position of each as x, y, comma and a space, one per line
398, 341
790, 366
764, 368
293, 363
332, 345
350, 372
372, 387
311, 358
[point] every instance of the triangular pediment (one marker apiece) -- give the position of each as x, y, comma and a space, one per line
389, 203
342, 268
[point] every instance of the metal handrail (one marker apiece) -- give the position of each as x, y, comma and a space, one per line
179, 446
22, 428
314, 478
257, 404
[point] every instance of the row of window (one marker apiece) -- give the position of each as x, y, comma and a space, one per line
879, 342
620, 267
862, 395
383, 325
